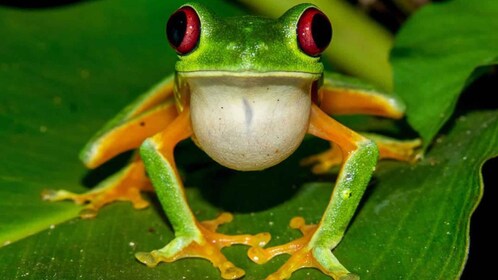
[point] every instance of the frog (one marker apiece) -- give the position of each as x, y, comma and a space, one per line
246, 90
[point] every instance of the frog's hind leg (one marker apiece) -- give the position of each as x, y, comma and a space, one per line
150, 113
125, 185
341, 95
192, 238
389, 148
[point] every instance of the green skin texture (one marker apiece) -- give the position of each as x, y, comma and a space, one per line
253, 44
259, 45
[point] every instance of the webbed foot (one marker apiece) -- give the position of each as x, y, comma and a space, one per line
401, 150
303, 255
324, 161
205, 243
125, 185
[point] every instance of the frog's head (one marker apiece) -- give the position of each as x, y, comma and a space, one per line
291, 43
248, 80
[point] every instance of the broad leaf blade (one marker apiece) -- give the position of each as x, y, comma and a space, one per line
56, 66
58, 88
420, 214
436, 52
413, 223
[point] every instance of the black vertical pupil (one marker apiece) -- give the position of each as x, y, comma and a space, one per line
321, 30
176, 28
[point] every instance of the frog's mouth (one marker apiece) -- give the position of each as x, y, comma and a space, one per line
249, 121
248, 74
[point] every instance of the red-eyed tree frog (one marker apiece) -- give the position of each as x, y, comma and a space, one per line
246, 90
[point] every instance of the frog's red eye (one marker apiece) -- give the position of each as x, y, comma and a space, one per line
183, 30
314, 32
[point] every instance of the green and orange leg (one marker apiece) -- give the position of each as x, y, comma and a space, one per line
389, 148
126, 185
313, 249
341, 95
149, 114
192, 238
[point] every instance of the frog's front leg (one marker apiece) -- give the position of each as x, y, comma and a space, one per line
192, 238
314, 248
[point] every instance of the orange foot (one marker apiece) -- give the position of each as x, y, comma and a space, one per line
125, 185
303, 255
205, 243
402, 150
323, 162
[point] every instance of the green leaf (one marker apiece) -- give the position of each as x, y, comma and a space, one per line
64, 72
435, 55
57, 66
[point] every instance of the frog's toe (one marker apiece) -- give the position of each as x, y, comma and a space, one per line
402, 150
94, 200
89, 211
205, 243
227, 269
59, 195
323, 162
147, 258
223, 218
230, 271
303, 255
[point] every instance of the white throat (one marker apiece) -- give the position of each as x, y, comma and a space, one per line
249, 122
